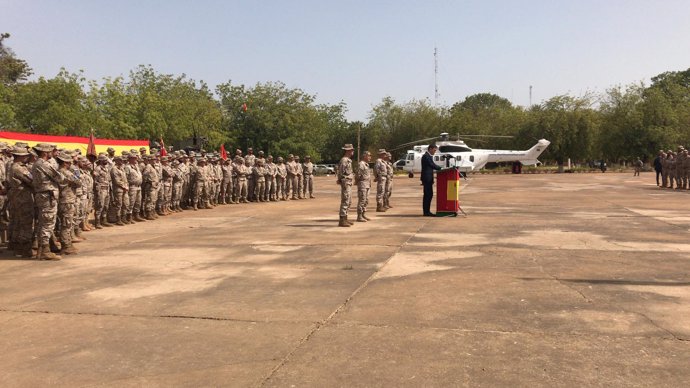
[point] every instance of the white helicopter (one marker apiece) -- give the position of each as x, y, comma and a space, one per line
455, 153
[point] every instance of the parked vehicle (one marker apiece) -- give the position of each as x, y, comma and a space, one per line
324, 169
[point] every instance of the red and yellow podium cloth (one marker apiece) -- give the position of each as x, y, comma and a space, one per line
73, 142
448, 192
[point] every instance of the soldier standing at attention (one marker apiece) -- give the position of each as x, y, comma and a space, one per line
300, 177
271, 171
291, 184
200, 184
67, 203
281, 179
178, 181
259, 179
680, 161
46, 181
243, 170
87, 191
381, 176
389, 181
664, 169
363, 187
120, 188
101, 177
686, 170
249, 161
308, 171
149, 188
134, 180
671, 168
345, 178
21, 203
226, 183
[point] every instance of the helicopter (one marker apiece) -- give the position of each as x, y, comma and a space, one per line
455, 153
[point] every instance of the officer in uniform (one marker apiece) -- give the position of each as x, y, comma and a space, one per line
308, 171
46, 181
21, 203
101, 177
381, 176
363, 187
281, 179
259, 179
134, 180
345, 179
150, 182
389, 182
67, 203
291, 186
120, 188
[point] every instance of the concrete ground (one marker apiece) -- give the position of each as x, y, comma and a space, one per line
552, 280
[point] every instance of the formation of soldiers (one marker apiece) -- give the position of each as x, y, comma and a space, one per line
383, 175
675, 168
47, 194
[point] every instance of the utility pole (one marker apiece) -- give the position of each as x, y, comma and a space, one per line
530, 96
435, 76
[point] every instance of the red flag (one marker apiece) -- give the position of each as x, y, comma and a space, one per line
91, 148
223, 154
163, 151
244, 107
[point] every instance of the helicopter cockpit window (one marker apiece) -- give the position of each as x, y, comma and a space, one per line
453, 148
437, 158
410, 156
471, 158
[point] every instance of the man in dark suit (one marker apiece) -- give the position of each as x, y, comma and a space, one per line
428, 167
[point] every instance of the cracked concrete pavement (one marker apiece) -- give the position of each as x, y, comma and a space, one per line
552, 280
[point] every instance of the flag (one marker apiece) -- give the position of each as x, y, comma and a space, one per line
91, 148
244, 107
223, 153
163, 152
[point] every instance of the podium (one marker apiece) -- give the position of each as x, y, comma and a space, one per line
448, 192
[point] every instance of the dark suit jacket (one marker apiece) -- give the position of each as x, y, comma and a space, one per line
428, 167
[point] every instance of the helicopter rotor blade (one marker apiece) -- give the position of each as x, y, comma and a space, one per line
496, 136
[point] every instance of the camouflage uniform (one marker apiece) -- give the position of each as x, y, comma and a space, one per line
21, 204
242, 169
271, 171
201, 186
87, 192
259, 172
381, 176
292, 185
345, 180
249, 161
46, 181
150, 189
299, 172
67, 206
281, 179
101, 177
134, 180
389, 182
308, 180
363, 187
226, 186
120, 200
178, 184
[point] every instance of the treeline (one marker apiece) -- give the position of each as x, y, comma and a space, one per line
620, 124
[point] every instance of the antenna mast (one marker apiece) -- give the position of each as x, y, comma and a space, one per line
435, 76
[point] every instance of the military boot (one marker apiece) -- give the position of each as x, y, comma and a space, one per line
78, 235
360, 217
380, 209
343, 222
149, 216
68, 250
348, 221
104, 221
119, 221
136, 217
364, 215
44, 253
97, 223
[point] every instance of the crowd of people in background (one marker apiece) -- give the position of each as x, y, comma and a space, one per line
673, 168
47, 195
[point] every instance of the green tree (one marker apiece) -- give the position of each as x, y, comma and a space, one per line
12, 69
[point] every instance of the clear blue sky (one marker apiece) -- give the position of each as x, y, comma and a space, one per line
362, 51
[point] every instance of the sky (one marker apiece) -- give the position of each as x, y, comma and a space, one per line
359, 52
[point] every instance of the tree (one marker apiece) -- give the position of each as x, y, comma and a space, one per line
12, 69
